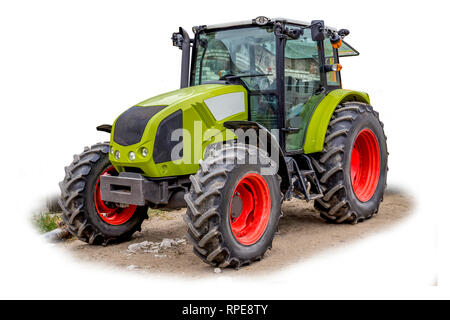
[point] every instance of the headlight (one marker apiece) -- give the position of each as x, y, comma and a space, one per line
144, 152
117, 155
132, 156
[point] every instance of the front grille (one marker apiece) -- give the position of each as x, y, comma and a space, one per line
131, 124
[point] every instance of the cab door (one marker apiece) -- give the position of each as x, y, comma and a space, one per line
305, 83
302, 83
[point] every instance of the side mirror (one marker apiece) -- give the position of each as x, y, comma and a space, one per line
317, 30
177, 40
343, 33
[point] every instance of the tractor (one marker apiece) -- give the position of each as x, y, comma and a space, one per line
261, 117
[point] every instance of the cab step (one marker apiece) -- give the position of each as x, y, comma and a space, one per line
304, 182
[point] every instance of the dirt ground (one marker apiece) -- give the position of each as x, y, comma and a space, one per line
301, 235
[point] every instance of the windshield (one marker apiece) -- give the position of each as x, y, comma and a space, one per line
247, 53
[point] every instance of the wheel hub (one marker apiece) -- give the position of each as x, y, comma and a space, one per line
365, 165
250, 209
109, 212
236, 206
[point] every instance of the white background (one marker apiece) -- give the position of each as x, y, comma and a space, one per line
68, 66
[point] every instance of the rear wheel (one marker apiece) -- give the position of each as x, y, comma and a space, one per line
88, 217
233, 209
352, 168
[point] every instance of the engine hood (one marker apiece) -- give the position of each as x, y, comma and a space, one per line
181, 95
151, 123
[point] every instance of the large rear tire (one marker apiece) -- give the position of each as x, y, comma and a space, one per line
233, 209
87, 216
352, 168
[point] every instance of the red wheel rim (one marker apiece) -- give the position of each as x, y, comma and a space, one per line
365, 165
110, 213
250, 209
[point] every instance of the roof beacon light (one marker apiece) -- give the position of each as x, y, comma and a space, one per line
261, 20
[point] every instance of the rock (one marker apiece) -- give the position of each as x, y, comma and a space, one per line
135, 247
180, 241
217, 270
155, 247
161, 255
132, 267
167, 243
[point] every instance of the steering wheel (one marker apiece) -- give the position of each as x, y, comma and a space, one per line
264, 83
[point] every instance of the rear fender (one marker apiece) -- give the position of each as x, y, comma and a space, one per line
317, 128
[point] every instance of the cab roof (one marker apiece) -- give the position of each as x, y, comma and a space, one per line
252, 22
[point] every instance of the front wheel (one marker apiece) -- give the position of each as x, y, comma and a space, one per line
233, 209
88, 217
352, 168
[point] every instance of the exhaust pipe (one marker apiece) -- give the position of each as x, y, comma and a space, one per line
182, 41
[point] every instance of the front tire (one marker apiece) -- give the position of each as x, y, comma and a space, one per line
352, 168
87, 216
233, 209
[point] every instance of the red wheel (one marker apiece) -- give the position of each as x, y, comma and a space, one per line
232, 210
365, 165
352, 168
110, 213
250, 209
88, 217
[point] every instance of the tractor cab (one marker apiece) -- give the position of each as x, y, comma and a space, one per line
286, 66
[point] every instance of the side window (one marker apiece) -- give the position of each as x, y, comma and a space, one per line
347, 50
302, 79
330, 58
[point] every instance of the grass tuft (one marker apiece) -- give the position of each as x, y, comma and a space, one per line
46, 222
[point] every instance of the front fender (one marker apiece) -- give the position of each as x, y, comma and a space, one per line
317, 128
271, 143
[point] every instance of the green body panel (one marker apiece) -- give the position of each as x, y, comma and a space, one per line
294, 141
317, 127
208, 130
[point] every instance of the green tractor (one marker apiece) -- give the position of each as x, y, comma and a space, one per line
260, 118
